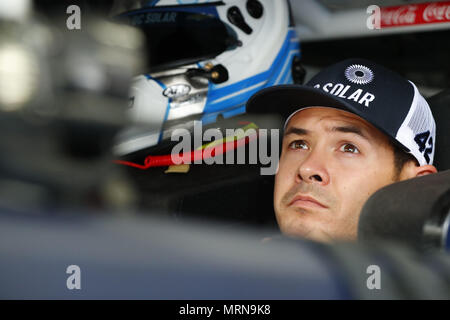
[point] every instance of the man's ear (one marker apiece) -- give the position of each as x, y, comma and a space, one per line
412, 170
425, 169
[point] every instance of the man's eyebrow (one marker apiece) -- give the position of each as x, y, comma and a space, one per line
350, 129
296, 130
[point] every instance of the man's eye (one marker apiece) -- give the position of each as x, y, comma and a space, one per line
298, 144
348, 147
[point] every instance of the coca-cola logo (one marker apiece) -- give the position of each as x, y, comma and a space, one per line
436, 12
399, 16
421, 13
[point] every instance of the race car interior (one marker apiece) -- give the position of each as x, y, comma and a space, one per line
85, 160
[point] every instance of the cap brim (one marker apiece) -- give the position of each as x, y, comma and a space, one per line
287, 99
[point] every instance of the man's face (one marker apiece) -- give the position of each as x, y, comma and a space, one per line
331, 162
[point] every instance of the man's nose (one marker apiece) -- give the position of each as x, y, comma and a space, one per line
313, 168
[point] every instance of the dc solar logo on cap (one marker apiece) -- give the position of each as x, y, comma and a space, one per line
359, 74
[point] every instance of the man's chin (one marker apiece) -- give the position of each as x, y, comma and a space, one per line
303, 232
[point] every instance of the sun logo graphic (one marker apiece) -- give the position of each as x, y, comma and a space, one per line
359, 74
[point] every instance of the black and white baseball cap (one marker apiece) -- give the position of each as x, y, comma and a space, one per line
378, 95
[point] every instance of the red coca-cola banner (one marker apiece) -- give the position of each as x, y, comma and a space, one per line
415, 14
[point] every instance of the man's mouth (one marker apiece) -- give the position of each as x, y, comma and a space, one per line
306, 202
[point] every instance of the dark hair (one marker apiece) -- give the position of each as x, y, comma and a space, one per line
401, 158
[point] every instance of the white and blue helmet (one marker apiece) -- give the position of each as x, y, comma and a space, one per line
206, 59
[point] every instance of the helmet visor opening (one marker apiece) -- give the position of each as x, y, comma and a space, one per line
176, 37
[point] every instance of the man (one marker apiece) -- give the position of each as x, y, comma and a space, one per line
351, 130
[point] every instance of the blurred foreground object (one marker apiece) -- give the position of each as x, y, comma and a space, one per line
415, 212
143, 258
63, 97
